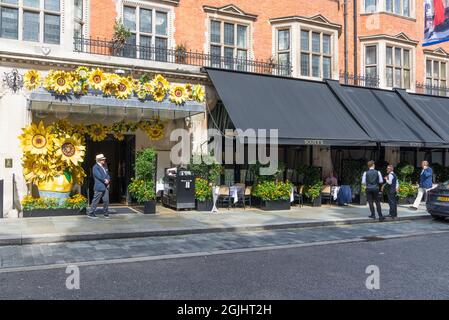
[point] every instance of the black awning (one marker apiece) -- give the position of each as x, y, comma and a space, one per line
386, 117
304, 112
432, 110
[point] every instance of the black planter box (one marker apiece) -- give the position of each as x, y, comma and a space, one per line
275, 205
149, 207
52, 212
204, 205
316, 202
361, 199
408, 200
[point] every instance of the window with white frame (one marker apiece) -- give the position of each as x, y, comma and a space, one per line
399, 7
371, 61
283, 47
316, 54
436, 76
78, 20
398, 66
230, 41
31, 20
149, 28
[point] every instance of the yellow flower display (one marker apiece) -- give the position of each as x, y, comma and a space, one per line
83, 73
119, 136
155, 133
148, 87
45, 171
80, 129
142, 94
124, 89
98, 132
136, 84
198, 93
189, 90
178, 94
97, 79
32, 79
61, 82
63, 126
78, 174
37, 139
29, 165
159, 95
159, 82
70, 149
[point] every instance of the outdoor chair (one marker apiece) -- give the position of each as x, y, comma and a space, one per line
224, 197
247, 195
240, 195
326, 193
299, 195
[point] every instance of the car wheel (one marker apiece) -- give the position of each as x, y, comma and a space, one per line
436, 217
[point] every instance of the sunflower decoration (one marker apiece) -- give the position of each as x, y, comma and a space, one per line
159, 82
48, 80
29, 164
178, 94
81, 88
97, 79
156, 132
119, 136
61, 82
124, 88
80, 129
32, 79
83, 73
63, 127
142, 95
189, 90
144, 125
45, 171
70, 149
159, 94
98, 132
37, 139
198, 93
78, 174
147, 87
136, 84
132, 126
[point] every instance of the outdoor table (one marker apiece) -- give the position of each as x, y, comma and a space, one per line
344, 195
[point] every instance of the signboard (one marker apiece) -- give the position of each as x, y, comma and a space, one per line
436, 21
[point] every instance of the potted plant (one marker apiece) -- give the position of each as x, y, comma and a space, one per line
362, 198
203, 195
121, 34
407, 191
273, 195
313, 184
181, 53
313, 192
142, 186
270, 64
51, 207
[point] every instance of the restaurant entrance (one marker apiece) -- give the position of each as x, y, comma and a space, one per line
120, 157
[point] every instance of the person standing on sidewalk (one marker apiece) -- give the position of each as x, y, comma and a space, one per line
393, 183
102, 181
425, 183
371, 179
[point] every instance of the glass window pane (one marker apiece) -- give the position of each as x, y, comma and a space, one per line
145, 19
406, 58
436, 70
443, 70
145, 47
215, 31
241, 62
389, 77
305, 40
389, 5
305, 64
406, 8
371, 72
161, 23
52, 5
326, 67
145, 41
241, 54
129, 18
397, 57
161, 43
32, 3
284, 58
51, 29
229, 34
316, 70
129, 49
30, 26
10, 1
326, 44
78, 9
316, 47
371, 55
283, 40
215, 52
370, 5
397, 78
9, 26
229, 57
397, 6
389, 56
428, 68
406, 79
161, 49
241, 36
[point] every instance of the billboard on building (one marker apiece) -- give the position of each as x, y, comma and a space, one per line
436, 21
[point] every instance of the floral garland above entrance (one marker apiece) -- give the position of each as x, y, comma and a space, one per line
82, 80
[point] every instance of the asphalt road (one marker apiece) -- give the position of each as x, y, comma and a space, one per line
414, 267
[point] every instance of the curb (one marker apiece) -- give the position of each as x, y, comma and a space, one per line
89, 236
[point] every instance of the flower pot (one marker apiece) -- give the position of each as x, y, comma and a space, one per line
316, 202
362, 199
149, 207
274, 205
52, 212
204, 205
58, 188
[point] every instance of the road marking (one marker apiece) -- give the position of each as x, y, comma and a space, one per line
207, 253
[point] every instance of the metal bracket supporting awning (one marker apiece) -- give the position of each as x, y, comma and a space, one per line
41, 100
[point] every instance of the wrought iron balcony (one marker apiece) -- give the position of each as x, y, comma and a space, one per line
360, 81
161, 54
424, 88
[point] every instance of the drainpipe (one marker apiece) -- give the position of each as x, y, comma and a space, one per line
345, 5
355, 40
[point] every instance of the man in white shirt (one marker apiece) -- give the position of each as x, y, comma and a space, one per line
371, 179
393, 182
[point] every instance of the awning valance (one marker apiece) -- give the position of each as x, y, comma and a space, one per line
304, 112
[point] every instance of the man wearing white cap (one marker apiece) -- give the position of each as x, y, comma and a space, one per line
101, 186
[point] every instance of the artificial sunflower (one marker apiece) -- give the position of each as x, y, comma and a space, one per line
97, 79
189, 90
178, 94
83, 73
119, 136
142, 94
98, 132
63, 127
136, 84
62, 82
78, 174
148, 87
132, 126
32, 79
113, 79
124, 89
158, 95
160, 82
70, 149
198, 93
29, 164
155, 133
48, 80
45, 171
144, 125
37, 139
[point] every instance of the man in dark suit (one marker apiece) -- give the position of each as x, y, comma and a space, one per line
371, 179
102, 181
393, 185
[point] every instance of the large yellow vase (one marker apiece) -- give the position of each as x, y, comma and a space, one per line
58, 188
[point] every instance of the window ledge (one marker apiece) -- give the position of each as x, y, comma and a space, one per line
389, 14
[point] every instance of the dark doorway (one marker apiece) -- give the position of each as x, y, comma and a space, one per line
120, 160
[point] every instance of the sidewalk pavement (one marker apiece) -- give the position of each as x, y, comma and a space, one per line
168, 222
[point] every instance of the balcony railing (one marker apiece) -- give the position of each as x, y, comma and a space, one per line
161, 54
360, 81
432, 90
